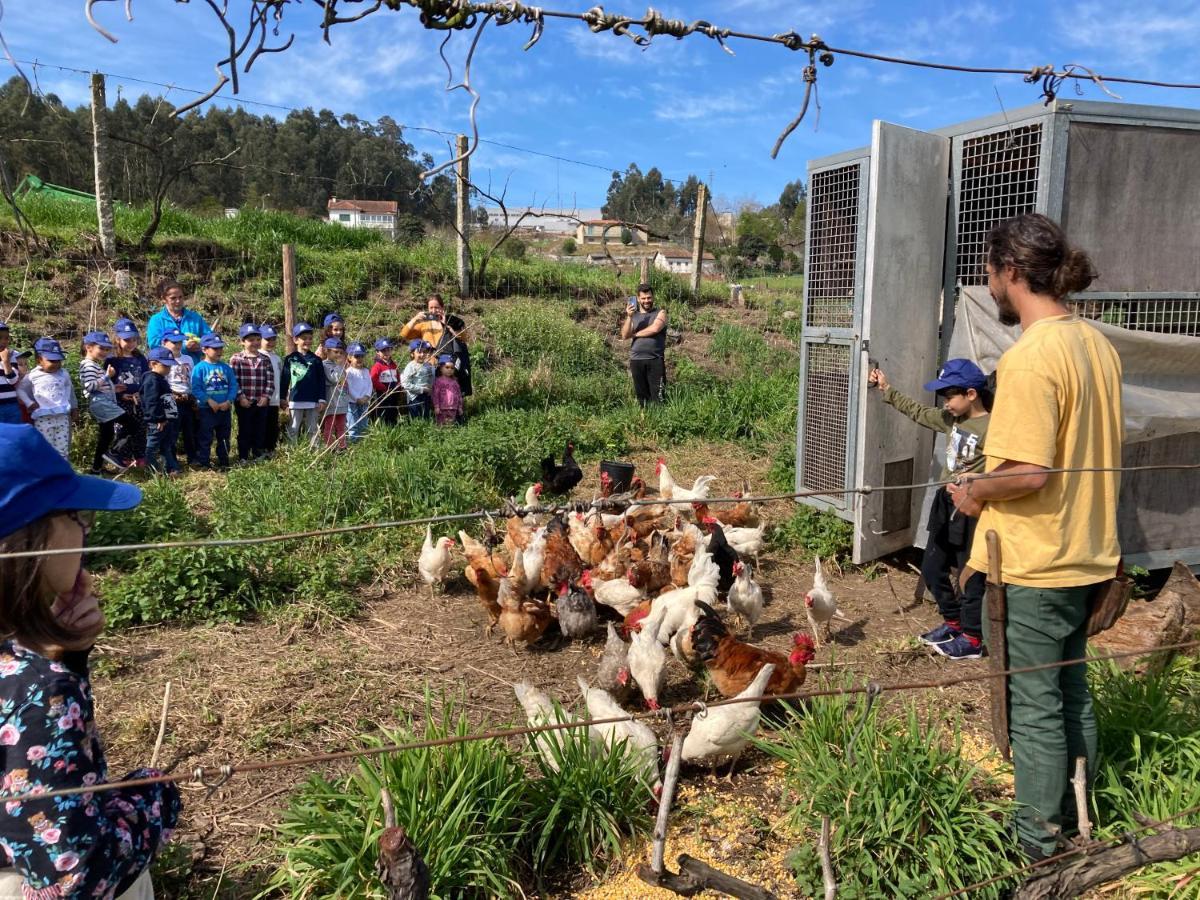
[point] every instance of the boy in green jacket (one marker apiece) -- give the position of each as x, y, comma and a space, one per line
963, 418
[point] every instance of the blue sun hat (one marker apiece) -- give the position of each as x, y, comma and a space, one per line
36, 481
49, 348
958, 373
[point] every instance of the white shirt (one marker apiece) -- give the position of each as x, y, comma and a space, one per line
51, 391
358, 383
277, 368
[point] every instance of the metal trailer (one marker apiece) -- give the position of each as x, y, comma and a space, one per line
897, 229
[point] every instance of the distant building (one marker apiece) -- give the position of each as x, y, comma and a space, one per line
549, 221
596, 231
679, 261
380, 214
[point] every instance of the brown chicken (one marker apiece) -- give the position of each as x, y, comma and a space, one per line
521, 619
560, 562
487, 589
653, 573
683, 550
738, 515
733, 664
517, 534
480, 556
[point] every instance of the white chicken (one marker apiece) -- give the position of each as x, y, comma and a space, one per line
540, 710
647, 665
747, 541
726, 730
671, 610
434, 561
535, 555
669, 490
745, 596
617, 593
640, 742
819, 604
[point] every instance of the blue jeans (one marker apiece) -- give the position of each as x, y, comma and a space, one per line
10, 413
357, 421
212, 423
162, 442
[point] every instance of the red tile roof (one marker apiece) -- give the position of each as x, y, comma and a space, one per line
367, 206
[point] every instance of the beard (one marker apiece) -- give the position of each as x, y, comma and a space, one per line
1005, 310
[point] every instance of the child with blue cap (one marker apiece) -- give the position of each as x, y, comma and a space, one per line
180, 380
447, 394
161, 413
417, 379
963, 418
359, 390
97, 844
214, 386
127, 369
99, 393
385, 378
303, 385
256, 383
269, 338
333, 418
49, 396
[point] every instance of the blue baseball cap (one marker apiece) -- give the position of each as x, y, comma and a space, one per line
356, 349
212, 340
125, 328
267, 331
418, 344
49, 348
330, 319
175, 336
249, 329
334, 344
99, 338
445, 359
162, 355
299, 328
36, 481
383, 344
958, 373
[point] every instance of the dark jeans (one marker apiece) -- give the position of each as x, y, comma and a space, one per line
252, 430
421, 408
948, 547
218, 423
649, 379
164, 442
389, 407
187, 425
10, 412
105, 441
271, 441
133, 431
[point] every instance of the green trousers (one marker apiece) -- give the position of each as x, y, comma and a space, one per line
1050, 718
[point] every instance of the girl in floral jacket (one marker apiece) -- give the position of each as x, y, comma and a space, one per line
94, 843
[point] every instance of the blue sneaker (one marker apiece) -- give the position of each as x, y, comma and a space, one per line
939, 635
960, 647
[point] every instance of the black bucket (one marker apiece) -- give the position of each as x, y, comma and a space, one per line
621, 474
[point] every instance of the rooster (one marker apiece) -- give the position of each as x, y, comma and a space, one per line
638, 740
722, 553
733, 664
434, 561
561, 479
541, 710
560, 562
647, 665
612, 674
671, 491
576, 612
820, 604
745, 597
726, 730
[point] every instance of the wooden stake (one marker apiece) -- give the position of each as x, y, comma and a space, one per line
289, 294
1079, 782
664, 804
826, 861
162, 726
104, 208
698, 238
644, 277
462, 216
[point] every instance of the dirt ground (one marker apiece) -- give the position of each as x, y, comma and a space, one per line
302, 685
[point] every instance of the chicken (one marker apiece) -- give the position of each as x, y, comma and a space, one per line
671, 491
654, 572
541, 710
745, 597
560, 562
726, 730
637, 490
733, 664
534, 558
533, 500
612, 674
635, 617
747, 541
576, 612
739, 515
647, 665
617, 594
590, 538
434, 561
638, 739
820, 604
487, 589
561, 479
480, 556
683, 549
517, 534
521, 619
722, 553
673, 609
681, 640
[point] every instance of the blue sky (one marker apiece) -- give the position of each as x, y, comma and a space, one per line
683, 106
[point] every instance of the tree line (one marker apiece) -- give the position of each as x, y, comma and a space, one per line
220, 157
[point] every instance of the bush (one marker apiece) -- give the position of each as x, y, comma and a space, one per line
812, 531
513, 248
569, 246
912, 815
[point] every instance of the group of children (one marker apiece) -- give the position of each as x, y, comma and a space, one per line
145, 404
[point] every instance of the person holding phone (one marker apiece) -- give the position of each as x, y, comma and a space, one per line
646, 328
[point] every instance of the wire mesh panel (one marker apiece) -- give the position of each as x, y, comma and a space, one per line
1165, 315
832, 247
826, 406
998, 180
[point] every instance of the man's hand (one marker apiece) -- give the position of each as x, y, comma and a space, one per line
263, 401
244, 402
877, 379
960, 494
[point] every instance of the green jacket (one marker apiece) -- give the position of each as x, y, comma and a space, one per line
964, 437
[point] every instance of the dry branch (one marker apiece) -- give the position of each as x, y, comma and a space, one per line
696, 876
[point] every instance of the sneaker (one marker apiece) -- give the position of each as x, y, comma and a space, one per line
939, 635
961, 646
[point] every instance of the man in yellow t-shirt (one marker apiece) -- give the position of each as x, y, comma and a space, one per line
1058, 406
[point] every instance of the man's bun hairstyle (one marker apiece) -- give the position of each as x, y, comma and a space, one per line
1035, 248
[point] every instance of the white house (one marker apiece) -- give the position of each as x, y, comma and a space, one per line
597, 231
679, 261
379, 214
551, 221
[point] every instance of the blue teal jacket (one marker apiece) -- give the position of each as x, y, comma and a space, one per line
214, 381
191, 322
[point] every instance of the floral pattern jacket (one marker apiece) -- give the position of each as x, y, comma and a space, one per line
85, 845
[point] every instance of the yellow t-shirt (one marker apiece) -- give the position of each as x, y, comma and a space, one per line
1058, 405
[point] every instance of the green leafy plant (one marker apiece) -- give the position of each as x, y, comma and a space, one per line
812, 531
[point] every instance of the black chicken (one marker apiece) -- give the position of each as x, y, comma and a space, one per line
561, 479
722, 553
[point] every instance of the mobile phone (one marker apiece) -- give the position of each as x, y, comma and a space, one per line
632, 302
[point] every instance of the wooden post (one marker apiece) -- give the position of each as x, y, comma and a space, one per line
289, 294
104, 209
826, 861
462, 217
644, 276
698, 238
664, 803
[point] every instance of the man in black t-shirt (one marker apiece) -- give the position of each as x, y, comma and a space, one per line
646, 328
